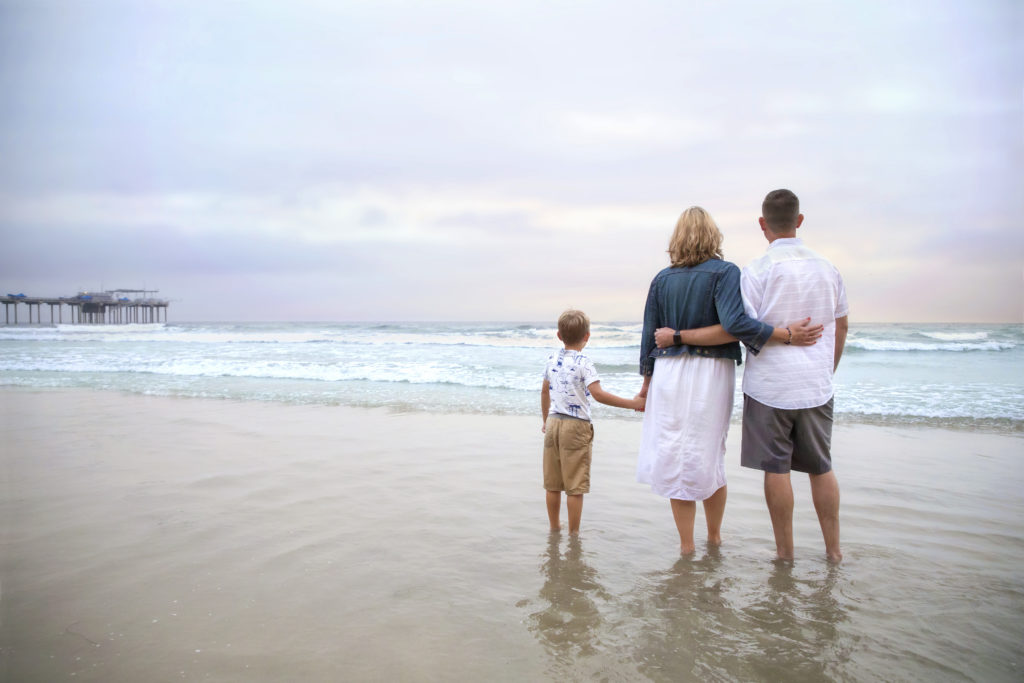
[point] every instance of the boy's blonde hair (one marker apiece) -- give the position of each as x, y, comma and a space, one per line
695, 239
573, 325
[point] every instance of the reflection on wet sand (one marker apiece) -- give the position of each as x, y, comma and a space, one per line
697, 621
569, 623
795, 624
681, 613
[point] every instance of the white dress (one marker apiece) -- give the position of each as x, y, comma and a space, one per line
686, 420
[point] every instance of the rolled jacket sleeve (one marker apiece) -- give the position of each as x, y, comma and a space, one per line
729, 304
651, 323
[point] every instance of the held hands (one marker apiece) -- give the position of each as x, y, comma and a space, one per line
637, 403
663, 337
805, 334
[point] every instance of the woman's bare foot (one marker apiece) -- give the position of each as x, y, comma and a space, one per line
687, 548
715, 540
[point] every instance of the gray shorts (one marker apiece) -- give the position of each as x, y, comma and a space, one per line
779, 440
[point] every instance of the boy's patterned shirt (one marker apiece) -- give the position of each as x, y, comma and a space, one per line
569, 373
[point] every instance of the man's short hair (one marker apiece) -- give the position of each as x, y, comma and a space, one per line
573, 325
780, 210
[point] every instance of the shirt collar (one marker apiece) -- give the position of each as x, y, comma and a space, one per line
786, 242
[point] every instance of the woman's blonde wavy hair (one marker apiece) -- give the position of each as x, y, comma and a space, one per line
695, 239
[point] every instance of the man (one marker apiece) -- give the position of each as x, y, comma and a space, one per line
787, 390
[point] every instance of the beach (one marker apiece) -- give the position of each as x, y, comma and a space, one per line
159, 538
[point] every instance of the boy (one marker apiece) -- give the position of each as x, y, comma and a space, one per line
569, 378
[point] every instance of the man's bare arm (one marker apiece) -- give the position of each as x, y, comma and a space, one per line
803, 334
842, 327
701, 336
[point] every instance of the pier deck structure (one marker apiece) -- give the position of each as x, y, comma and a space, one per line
99, 308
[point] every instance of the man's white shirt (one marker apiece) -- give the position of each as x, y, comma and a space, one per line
789, 283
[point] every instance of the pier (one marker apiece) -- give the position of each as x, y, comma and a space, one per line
91, 308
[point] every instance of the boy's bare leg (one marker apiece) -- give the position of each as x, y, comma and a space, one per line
684, 511
574, 505
778, 493
825, 492
554, 501
714, 512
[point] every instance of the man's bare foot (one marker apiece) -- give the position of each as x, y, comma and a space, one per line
556, 528
687, 548
715, 540
835, 558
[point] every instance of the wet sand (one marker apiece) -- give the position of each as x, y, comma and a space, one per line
159, 539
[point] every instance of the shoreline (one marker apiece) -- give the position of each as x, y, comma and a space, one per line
994, 426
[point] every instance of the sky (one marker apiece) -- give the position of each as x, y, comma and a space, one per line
363, 161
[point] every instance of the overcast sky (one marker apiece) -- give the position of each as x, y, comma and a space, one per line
482, 161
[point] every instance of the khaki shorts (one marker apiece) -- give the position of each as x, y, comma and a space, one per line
779, 440
568, 444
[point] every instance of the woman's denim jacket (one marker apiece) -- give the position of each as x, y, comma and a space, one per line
699, 296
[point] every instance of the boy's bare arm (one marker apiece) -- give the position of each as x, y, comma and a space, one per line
545, 404
609, 399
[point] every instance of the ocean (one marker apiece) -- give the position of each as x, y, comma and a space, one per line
952, 375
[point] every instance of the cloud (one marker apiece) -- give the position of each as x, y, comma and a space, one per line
450, 156
638, 128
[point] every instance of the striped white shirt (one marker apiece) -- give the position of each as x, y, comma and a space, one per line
788, 283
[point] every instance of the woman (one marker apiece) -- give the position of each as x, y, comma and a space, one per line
689, 387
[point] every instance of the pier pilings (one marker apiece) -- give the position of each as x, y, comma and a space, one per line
86, 311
